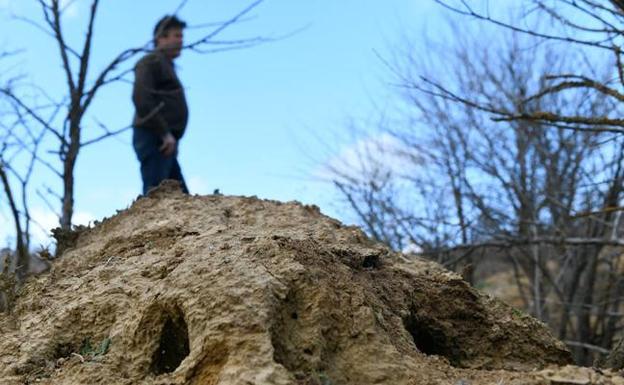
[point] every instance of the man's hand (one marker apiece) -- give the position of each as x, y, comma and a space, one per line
169, 144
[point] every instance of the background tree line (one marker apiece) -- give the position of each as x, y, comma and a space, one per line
509, 156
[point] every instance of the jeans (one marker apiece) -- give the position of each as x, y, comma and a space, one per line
155, 167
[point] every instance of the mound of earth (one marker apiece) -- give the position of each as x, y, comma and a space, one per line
231, 290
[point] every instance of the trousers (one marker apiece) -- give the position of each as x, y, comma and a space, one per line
155, 167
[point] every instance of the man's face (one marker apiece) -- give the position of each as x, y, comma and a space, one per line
171, 42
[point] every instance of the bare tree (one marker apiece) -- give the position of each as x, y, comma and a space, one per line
19, 148
15, 175
594, 28
541, 196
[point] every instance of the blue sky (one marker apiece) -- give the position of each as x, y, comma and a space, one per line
261, 119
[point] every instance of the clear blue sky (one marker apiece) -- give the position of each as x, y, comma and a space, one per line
256, 115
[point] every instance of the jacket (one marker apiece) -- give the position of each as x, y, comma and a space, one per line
158, 96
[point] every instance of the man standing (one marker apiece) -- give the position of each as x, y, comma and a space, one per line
161, 111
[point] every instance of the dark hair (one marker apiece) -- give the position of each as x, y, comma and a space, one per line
168, 22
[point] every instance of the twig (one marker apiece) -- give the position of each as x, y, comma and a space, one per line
82, 360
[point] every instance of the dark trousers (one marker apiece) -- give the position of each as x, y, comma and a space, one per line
155, 167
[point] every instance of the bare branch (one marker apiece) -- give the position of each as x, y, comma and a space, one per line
468, 11
236, 18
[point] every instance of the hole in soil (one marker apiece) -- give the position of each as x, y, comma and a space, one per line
173, 346
63, 350
431, 340
371, 262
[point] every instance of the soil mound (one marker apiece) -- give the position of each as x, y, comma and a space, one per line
234, 290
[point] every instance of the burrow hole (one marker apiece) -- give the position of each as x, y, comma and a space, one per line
431, 340
173, 346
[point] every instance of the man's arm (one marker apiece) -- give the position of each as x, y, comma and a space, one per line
144, 97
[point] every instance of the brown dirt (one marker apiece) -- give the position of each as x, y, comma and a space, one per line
233, 290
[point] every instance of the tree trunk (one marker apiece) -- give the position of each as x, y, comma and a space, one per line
20, 248
69, 163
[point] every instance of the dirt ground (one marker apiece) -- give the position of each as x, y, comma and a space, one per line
233, 290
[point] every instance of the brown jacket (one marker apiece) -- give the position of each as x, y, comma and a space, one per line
158, 96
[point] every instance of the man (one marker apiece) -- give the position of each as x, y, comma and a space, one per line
161, 110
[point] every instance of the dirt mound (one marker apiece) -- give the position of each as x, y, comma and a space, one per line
234, 290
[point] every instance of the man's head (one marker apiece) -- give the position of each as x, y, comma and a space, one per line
168, 35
